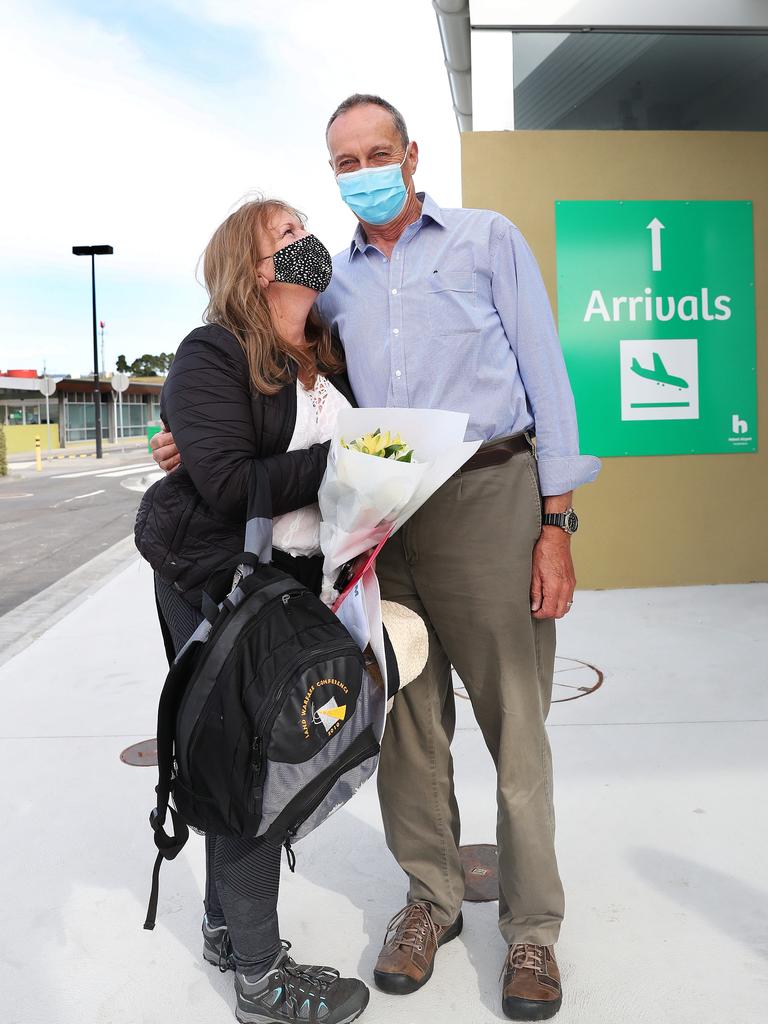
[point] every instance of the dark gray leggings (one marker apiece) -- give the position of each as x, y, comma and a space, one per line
242, 875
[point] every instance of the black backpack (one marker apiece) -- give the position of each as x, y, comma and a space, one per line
269, 719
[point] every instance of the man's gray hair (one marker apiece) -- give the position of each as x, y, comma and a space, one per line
360, 99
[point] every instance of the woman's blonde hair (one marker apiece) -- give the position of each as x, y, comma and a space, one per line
237, 302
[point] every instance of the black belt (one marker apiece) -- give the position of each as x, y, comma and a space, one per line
496, 453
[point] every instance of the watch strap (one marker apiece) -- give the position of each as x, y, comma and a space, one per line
567, 520
555, 519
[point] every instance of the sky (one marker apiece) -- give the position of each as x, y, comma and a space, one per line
142, 125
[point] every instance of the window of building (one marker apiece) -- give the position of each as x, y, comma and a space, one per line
27, 412
135, 415
80, 417
631, 81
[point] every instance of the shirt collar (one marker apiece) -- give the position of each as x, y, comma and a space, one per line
429, 211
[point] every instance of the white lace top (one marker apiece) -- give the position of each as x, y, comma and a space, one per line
298, 533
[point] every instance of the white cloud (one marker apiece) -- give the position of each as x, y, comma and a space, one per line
107, 146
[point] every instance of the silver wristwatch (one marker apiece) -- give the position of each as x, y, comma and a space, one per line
567, 520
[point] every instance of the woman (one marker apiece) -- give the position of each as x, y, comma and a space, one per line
261, 380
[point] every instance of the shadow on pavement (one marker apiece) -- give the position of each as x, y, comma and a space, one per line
730, 905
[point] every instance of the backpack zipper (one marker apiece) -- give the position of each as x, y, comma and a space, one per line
271, 607
342, 769
348, 647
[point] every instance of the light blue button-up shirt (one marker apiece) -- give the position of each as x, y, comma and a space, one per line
459, 319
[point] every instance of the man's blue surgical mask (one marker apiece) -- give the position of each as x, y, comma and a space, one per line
375, 194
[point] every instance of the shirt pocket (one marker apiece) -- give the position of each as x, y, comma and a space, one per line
452, 303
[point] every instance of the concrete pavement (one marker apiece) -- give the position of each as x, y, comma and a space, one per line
660, 790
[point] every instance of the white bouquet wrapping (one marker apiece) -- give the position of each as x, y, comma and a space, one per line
364, 499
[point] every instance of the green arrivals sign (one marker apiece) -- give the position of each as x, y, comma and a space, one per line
656, 310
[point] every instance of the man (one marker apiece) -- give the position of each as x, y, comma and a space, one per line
446, 309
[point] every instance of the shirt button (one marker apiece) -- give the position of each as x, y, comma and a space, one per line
398, 374
395, 330
394, 291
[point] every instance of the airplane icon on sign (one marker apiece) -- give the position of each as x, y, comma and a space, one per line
658, 373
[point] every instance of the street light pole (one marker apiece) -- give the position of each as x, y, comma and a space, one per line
96, 384
93, 251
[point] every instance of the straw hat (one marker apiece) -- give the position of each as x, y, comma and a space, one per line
410, 641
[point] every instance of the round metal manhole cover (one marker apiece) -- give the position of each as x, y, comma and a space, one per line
573, 679
481, 872
143, 754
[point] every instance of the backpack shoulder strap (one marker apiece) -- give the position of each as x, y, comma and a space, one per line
171, 846
257, 549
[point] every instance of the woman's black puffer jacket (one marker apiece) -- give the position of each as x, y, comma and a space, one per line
193, 520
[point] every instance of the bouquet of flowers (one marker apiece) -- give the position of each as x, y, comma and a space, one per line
372, 485
382, 445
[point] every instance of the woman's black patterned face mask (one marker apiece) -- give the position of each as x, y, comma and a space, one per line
306, 262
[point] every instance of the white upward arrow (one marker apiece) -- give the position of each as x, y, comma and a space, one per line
656, 227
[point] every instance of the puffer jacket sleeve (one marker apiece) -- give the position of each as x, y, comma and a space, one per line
207, 405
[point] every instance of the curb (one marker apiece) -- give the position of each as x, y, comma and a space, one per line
22, 626
126, 447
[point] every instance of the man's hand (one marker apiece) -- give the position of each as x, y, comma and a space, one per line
164, 451
553, 579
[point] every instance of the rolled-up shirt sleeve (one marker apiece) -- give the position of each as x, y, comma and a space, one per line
522, 303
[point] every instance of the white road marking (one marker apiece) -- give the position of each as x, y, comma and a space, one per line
100, 472
114, 473
90, 494
7, 497
78, 497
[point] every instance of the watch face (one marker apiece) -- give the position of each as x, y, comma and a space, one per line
573, 521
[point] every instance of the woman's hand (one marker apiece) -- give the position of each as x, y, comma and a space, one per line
164, 451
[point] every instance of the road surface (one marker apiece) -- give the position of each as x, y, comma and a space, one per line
54, 521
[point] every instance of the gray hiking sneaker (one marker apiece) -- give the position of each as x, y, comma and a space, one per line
291, 993
217, 947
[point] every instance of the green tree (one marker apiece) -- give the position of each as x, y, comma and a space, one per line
146, 365
3, 454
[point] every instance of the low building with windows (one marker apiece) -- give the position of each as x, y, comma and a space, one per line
67, 417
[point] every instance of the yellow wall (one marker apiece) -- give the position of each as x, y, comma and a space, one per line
669, 519
22, 439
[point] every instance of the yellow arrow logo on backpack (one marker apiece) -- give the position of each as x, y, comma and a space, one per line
338, 713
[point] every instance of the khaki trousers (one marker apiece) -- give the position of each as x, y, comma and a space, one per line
463, 562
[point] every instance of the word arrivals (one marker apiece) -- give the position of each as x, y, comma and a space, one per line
657, 307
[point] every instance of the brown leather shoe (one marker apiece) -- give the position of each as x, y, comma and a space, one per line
531, 988
407, 957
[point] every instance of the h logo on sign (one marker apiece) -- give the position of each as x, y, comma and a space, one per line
738, 426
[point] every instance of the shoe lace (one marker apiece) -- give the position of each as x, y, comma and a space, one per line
302, 983
411, 925
225, 953
526, 956
323, 977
